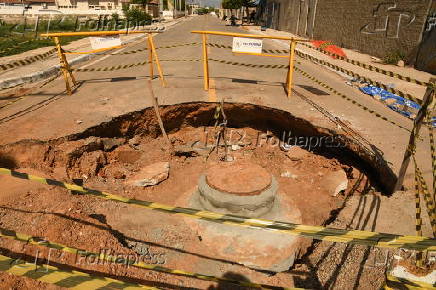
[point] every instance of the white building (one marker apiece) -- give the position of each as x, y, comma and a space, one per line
168, 9
71, 7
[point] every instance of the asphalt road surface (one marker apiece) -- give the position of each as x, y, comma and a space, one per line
50, 113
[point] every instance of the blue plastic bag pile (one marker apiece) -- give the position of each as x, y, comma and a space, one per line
396, 103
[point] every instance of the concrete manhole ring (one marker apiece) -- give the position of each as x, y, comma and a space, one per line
251, 193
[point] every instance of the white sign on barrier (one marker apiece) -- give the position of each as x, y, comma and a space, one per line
105, 41
247, 45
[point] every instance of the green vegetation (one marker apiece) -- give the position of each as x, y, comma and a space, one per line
394, 57
238, 4
18, 38
136, 15
232, 4
202, 11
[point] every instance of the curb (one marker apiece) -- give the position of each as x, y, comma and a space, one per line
52, 71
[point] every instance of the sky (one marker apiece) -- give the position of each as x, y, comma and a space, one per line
215, 3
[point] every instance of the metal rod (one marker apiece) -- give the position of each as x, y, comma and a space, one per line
63, 65
263, 54
150, 56
156, 58
95, 33
291, 67
205, 63
249, 35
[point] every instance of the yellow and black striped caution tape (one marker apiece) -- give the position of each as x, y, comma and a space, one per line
217, 45
63, 278
433, 154
126, 66
272, 66
393, 282
323, 62
9, 234
43, 56
369, 67
324, 85
27, 61
94, 50
273, 51
418, 219
159, 47
110, 68
178, 45
315, 232
428, 198
356, 75
22, 97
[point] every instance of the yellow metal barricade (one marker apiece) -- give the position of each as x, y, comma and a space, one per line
66, 69
291, 56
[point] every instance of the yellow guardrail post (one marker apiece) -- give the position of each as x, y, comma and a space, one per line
205, 63
156, 58
65, 67
289, 78
291, 67
150, 56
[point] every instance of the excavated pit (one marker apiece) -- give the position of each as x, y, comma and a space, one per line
113, 155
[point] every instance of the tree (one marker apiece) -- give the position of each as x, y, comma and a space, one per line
232, 4
137, 16
247, 4
238, 4
143, 3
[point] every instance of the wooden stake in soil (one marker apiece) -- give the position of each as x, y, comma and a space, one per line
159, 119
222, 132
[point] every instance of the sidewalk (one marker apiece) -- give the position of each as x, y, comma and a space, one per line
13, 77
415, 90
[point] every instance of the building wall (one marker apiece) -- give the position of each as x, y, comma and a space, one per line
426, 58
376, 27
298, 16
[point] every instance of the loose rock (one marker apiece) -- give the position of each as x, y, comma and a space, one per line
400, 63
236, 147
135, 141
335, 182
111, 143
90, 163
151, 175
296, 153
288, 175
